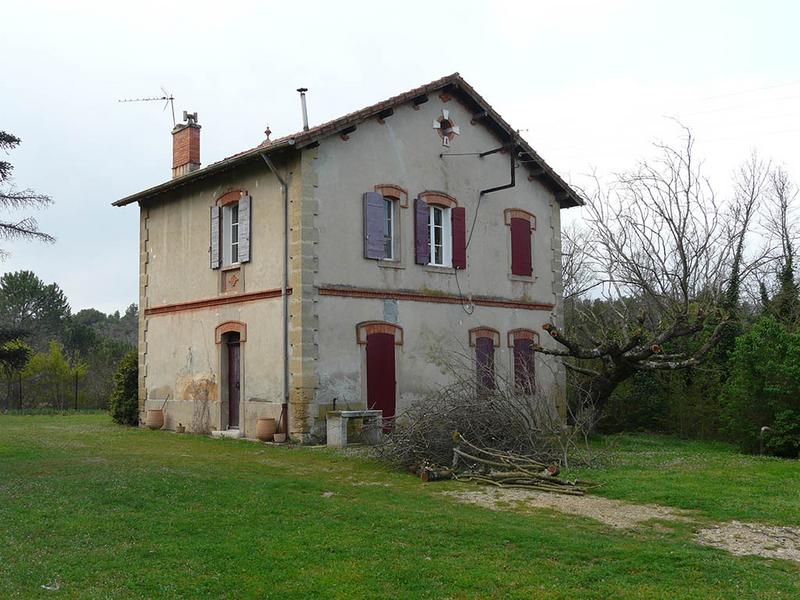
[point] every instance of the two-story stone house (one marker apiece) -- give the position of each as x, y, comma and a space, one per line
317, 268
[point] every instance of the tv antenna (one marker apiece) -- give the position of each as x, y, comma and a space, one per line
169, 100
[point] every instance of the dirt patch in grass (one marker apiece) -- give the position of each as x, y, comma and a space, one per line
615, 513
740, 538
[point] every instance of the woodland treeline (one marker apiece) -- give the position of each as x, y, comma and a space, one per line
54, 358
682, 309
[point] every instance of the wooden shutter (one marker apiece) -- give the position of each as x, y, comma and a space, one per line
521, 263
484, 362
374, 214
214, 244
244, 228
524, 365
422, 243
458, 219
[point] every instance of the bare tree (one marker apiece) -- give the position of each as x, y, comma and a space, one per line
660, 250
750, 183
14, 199
782, 225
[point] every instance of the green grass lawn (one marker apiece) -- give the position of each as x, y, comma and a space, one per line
113, 512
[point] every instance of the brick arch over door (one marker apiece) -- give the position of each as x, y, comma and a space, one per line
239, 327
366, 328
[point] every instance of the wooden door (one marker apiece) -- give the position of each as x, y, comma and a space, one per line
233, 385
380, 373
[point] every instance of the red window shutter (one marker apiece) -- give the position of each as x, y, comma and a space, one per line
458, 219
521, 263
422, 244
524, 370
484, 363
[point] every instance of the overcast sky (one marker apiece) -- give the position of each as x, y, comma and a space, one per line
590, 84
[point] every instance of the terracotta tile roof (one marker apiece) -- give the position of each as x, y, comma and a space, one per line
566, 195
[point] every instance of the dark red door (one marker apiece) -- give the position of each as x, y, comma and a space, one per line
233, 384
380, 373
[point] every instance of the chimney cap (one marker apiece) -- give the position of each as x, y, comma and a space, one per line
302, 90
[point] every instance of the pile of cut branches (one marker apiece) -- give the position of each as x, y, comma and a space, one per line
505, 469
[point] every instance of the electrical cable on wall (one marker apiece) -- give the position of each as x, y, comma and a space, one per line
468, 307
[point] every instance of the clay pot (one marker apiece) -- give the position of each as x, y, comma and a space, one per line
279, 438
155, 418
265, 429
180, 428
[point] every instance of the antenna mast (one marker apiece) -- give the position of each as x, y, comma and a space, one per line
167, 97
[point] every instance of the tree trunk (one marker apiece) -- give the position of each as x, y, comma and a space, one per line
602, 386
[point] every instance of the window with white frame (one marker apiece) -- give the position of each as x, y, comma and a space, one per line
230, 234
388, 228
440, 236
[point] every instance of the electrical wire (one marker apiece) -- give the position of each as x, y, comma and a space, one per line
469, 307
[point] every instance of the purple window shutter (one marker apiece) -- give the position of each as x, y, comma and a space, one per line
484, 359
459, 230
524, 373
422, 243
521, 263
373, 226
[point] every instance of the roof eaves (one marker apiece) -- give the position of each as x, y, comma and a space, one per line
208, 171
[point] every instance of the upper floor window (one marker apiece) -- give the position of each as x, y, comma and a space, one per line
230, 234
439, 231
381, 225
388, 228
441, 249
230, 230
522, 224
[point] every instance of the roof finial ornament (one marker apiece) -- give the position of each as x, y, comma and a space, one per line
268, 132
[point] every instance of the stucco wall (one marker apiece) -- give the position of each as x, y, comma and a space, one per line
185, 363
179, 356
178, 243
405, 150
431, 333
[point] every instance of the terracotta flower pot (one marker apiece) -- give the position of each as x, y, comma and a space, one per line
265, 429
155, 418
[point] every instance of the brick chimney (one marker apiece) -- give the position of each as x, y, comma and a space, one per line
186, 146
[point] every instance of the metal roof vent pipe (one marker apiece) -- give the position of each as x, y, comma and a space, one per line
303, 91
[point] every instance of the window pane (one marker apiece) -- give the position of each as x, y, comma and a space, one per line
235, 213
234, 253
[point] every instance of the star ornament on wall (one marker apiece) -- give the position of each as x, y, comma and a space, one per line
446, 128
